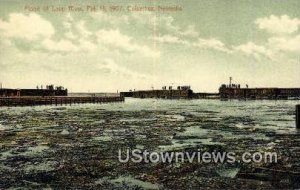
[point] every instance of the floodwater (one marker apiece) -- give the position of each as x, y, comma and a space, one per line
77, 146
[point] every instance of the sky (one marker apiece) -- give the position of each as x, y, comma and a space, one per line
117, 45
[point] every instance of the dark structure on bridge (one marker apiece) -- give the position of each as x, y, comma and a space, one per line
49, 96
49, 91
181, 92
259, 93
234, 91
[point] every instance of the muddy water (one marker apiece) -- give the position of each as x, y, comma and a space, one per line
77, 146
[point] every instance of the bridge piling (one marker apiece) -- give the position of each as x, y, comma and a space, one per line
298, 116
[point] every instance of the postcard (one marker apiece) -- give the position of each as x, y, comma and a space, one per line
149, 94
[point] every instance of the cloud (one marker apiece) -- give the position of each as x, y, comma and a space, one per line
167, 22
169, 39
114, 38
252, 49
167, 26
82, 29
40, 33
75, 44
283, 30
289, 44
61, 45
275, 48
86, 45
211, 44
278, 25
190, 31
29, 27
67, 46
70, 35
201, 43
283, 38
110, 66
189, 36
68, 21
